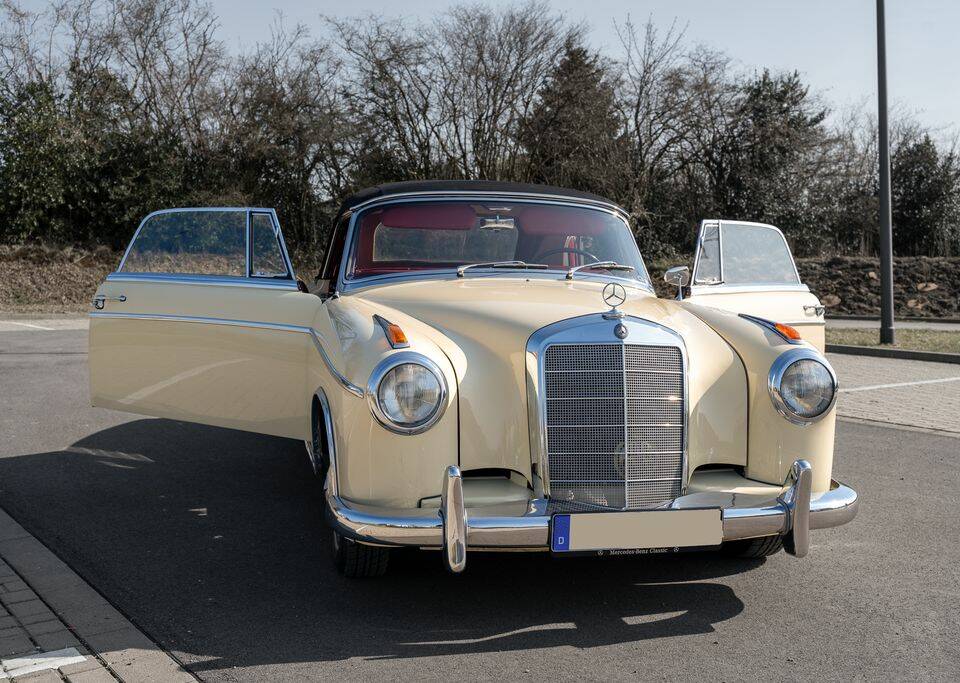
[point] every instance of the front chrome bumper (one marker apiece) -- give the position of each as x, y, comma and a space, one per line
526, 526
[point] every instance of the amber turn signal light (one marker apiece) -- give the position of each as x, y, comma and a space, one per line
394, 334
786, 332
396, 337
790, 333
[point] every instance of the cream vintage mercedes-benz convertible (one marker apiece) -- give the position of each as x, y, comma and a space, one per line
485, 366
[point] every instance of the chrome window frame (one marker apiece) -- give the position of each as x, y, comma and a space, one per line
347, 258
277, 236
287, 282
593, 328
206, 280
698, 249
775, 378
722, 287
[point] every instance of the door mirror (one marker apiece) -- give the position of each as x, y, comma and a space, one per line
679, 276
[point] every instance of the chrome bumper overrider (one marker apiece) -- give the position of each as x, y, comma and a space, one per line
454, 528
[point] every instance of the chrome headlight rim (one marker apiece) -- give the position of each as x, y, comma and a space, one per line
380, 372
775, 378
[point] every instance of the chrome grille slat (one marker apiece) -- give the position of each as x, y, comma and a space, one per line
614, 424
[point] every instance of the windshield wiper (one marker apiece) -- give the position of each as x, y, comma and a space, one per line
606, 265
520, 265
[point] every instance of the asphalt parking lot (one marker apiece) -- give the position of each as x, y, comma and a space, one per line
211, 542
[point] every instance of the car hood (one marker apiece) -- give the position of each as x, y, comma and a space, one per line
482, 324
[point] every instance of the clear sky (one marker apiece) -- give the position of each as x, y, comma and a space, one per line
831, 42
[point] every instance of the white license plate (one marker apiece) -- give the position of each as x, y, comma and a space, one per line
636, 530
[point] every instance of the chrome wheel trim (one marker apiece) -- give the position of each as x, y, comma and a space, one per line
309, 447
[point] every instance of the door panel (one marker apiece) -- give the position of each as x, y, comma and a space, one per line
220, 350
748, 268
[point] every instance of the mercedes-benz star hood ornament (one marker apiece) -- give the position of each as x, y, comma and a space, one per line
614, 295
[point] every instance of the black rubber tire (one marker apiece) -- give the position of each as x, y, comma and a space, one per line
358, 561
753, 548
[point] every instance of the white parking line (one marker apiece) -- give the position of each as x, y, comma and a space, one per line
900, 384
36, 327
21, 666
44, 324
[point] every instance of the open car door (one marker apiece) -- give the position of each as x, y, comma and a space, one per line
203, 321
748, 268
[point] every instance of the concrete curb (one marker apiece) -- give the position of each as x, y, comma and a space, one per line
902, 354
96, 624
907, 319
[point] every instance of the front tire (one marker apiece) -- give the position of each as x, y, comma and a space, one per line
358, 561
753, 548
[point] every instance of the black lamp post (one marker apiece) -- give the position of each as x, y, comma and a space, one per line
886, 223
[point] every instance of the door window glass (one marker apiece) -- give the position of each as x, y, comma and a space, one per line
191, 242
266, 258
756, 255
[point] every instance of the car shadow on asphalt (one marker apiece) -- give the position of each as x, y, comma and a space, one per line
212, 541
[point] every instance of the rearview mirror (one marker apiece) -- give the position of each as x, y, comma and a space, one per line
678, 276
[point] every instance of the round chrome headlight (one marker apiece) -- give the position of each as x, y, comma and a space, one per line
802, 385
407, 393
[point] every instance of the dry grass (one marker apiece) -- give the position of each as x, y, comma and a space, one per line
915, 340
37, 279
41, 279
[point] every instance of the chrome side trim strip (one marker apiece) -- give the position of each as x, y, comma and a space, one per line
281, 327
210, 280
201, 319
344, 382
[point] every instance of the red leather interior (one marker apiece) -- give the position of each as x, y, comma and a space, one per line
430, 217
549, 220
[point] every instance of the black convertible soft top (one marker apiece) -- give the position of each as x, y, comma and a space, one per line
466, 185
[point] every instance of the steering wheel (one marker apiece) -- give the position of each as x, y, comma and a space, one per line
564, 250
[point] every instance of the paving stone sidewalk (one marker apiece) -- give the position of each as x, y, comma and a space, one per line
899, 392
55, 627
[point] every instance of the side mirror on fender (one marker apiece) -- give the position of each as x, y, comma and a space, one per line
678, 276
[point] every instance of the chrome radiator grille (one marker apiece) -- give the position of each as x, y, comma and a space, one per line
615, 421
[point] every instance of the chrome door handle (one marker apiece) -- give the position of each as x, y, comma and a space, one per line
817, 310
99, 300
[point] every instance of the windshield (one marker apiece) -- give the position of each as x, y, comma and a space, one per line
431, 235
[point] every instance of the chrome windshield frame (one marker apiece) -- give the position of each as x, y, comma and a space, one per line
345, 286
